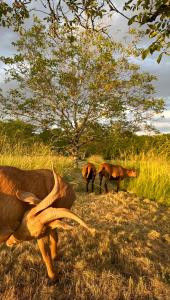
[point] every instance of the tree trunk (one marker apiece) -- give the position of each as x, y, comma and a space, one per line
76, 153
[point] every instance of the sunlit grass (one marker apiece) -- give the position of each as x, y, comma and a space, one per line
37, 156
96, 159
153, 179
61, 163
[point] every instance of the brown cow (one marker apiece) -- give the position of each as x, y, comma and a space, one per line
114, 172
89, 173
32, 186
38, 220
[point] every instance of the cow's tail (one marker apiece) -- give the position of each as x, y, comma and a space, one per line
88, 172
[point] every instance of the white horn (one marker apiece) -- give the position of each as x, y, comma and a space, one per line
52, 214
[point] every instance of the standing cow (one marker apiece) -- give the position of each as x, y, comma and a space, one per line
89, 173
43, 189
114, 172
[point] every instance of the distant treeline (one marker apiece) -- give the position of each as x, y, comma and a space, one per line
106, 141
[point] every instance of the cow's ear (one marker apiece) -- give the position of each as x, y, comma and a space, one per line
28, 197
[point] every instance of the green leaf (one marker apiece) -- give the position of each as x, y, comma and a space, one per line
132, 20
145, 53
154, 33
159, 58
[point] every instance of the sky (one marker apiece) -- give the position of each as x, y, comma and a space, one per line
118, 30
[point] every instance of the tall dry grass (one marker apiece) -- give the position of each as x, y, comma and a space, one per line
153, 179
36, 156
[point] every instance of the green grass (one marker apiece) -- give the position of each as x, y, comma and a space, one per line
153, 181
62, 164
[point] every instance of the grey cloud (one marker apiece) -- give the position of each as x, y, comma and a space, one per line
7, 36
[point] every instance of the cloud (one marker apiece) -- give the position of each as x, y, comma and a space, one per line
2, 74
7, 37
167, 114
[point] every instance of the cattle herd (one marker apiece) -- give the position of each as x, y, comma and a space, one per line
33, 204
109, 171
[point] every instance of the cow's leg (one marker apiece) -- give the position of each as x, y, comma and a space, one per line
92, 184
43, 244
105, 184
100, 178
53, 243
118, 184
87, 185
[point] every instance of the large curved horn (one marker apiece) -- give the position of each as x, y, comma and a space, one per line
52, 214
50, 198
60, 224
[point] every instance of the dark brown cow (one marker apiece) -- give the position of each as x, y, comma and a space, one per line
89, 173
114, 172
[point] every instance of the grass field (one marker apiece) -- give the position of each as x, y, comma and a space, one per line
127, 259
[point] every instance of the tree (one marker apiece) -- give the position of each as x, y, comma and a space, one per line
14, 13
110, 140
16, 137
17, 130
151, 15
82, 12
70, 84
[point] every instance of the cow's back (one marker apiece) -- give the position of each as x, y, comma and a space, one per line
38, 182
